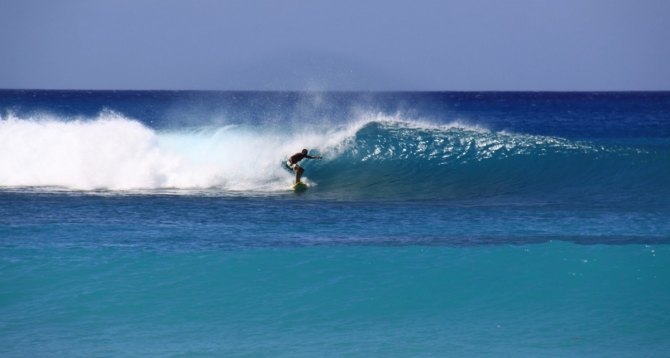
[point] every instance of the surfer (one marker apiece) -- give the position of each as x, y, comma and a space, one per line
292, 163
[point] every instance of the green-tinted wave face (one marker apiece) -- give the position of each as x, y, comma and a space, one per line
398, 160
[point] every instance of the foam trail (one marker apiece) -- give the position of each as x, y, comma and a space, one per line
116, 153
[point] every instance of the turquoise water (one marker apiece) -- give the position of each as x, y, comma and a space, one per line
550, 299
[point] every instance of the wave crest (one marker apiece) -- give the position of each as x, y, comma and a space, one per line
375, 155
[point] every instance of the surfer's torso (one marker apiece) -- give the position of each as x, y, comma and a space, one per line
295, 158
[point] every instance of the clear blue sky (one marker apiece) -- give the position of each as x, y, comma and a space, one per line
557, 45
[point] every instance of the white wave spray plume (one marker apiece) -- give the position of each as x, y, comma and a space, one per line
116, 153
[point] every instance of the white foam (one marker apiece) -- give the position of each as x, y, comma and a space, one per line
109, 152
116, 153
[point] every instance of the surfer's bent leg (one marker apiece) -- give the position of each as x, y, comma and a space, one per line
298, 173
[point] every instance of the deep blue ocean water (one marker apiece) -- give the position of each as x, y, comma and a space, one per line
159, 223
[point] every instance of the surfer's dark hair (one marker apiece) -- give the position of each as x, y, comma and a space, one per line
304, 151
